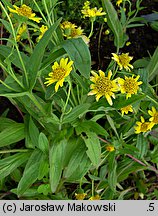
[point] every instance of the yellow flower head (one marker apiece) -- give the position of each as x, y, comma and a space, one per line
67, 25
123, 60
103, 86
126, 109
143, 126
80, 196
59, 73
129, 85
154, 115
21, 30
25, 11
119, 2
110, 148
43, 29
91, 12
70, 30
96, 197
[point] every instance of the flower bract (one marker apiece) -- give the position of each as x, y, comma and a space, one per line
59, 73
103, 86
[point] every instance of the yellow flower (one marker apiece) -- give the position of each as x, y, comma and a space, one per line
67, 25
128, 43
25, 11
126, 109
123, 60
154, 114
43, 29
59, 73
96, 197
143, 126
21, 30
103, 86
107, 32
129, 85
119, 2
80, 196
70, 30
110, 148
91, 12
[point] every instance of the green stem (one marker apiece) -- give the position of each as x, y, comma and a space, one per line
63, 112
47, 12
42, 85
152, 99
13, 151
92, 188
40, 12
15, 44
92, 26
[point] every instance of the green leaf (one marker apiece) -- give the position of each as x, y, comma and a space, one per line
31, 171
114, 23
6, 122
43, 167
13, 56
81, 170
154, 25
33, 132
126, 167
52, 57
143, 73
76, 159
43, 143
153, 65
112, 175
92, 126
79, 53
112, 124
94, 148
10, 88
76, 112
7, 25
56, 163
34, 62
9, 164
12, 134
142, 145
121, 101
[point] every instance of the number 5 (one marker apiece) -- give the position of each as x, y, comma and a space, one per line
151, 206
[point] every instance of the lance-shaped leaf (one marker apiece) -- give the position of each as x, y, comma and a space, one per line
114, 23
94, 148
153, 65
31, 172
34, 63
56, 163
79, 53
